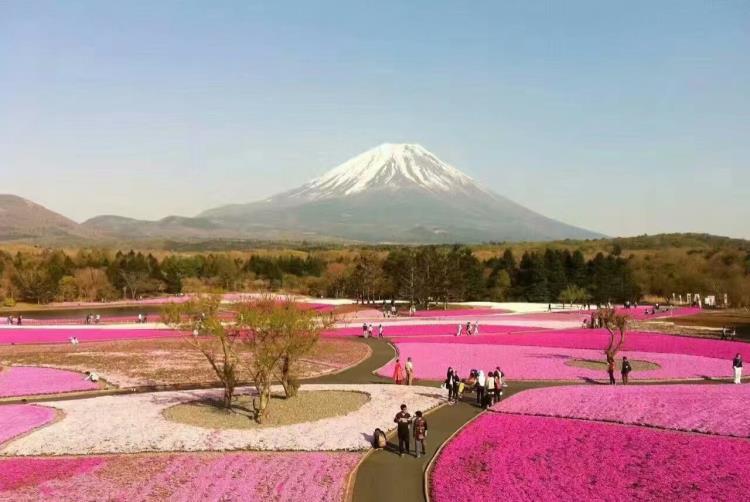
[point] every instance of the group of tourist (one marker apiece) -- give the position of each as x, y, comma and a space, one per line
17, 321
488, 387
409, 427
469, 329
368, 331
91, 318
625, 369
728, 333
403, 374
142, 319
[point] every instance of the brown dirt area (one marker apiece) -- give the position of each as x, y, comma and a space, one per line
169, 361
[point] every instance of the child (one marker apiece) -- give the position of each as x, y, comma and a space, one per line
420, 433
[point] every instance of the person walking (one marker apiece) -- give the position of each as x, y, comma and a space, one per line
476, 328
626, 369
364, 330
480, 387
380, 331
458, 332
489, 389
420, 433
458, 386
409, 371
449, 379
498, 386
369, 330
403, 419
737, 367
611, 369
398, 373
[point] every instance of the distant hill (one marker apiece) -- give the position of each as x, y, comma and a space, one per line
171, 227
21, 219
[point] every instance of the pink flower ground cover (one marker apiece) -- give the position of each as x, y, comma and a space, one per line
28, 380
714, 409
592, 339
431, 361
16, 419
304, 477
13, 336
513, 457
438, 332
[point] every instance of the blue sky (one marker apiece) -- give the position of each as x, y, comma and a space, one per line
623, 117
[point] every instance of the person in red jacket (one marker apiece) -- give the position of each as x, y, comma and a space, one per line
398, 373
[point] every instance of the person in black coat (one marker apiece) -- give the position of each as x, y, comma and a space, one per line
626, 369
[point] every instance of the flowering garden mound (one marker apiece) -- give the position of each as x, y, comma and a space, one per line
712, 409
295, 477
305, 407
136, 424
538, 458
431, 361
17, 419
27, 381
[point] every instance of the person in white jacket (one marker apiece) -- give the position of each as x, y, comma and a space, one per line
481, 382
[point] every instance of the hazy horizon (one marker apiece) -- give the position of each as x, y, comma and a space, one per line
622, 119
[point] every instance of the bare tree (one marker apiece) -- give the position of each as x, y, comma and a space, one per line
277, 335
616, 325
207, 334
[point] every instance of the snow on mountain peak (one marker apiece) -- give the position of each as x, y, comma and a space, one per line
390, 165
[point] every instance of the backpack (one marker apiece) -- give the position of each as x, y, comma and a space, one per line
378, 439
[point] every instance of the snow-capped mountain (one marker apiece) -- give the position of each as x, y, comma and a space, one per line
392, 193
388, 166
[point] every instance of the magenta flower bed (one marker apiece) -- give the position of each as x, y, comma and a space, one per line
593, 339
431, 361
179, 477
12, 336
513, 457
27, 381
17, 419
713, 409
433, 332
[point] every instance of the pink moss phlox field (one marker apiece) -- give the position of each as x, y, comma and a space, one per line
22, 473
17, 419
593, 339
540, 458
545, 363
11, 336
713, 409
28, 380
440, 332
186, 477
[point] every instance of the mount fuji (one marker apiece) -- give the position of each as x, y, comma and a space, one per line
392, 193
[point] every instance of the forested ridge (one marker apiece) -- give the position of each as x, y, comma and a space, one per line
597, 271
